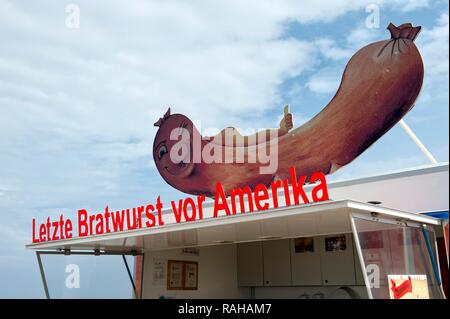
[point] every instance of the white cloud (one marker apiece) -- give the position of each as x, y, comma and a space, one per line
433, 44
411, 5
434, 47
325, 81
361, 36
330, 50
190, 58
128, 62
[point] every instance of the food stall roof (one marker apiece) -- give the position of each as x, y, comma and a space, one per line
322, 218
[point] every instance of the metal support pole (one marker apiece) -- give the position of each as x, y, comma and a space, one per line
418, 142
130, 275
41, 268
142, 277
361, 257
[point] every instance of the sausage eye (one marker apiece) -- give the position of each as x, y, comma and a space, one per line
162, 150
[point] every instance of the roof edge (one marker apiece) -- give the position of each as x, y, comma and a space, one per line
272, 213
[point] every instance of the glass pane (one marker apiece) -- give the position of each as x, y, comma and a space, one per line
88, 276
398, 261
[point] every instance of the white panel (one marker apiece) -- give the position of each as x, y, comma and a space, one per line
275, 228
413, 191
338, 267
250, 264
248, 231
277, 263
337, 222
307, 224
306, 270
209, 235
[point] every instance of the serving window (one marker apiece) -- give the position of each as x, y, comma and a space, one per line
399, 258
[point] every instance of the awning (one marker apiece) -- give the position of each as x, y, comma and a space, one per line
316, 219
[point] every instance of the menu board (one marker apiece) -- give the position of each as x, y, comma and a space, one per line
182, 275
190, 275
175, 274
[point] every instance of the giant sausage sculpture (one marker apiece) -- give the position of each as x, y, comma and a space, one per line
379, 86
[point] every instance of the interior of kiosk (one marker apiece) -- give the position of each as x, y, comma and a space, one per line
310, 251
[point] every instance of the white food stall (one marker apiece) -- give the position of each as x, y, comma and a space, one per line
370, 240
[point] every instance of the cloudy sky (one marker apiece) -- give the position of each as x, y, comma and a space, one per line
77, 102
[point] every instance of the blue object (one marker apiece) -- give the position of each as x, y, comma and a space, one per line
431, 254
439, 214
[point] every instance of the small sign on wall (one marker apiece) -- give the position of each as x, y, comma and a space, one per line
335, 243
175, 271
191, 251
304, 244
191, 275
182, 275
408, 287
159, 271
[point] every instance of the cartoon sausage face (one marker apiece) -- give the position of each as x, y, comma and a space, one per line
171, 170
379, 86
